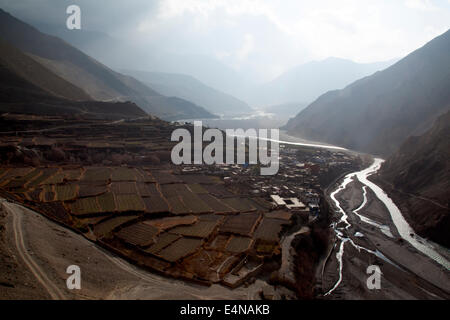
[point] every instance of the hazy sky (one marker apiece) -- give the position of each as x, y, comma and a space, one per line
261, 37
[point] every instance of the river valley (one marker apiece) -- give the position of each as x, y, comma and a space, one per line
370, 230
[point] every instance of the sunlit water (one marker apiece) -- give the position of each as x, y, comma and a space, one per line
426, 247
402, 226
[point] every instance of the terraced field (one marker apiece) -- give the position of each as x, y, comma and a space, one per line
123, 174
66, 192
242, 224
201, 229
138, 234
123, 187
180, 249
188, 226
239, 244
129, 202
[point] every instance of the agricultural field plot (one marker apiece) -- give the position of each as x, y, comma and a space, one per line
13, 173
3, 172
177, 206
190, 200
57, 178
200, 179
163, 240
181, 248
66, 192
211, 217
239, 244
260, 204
46, 173
219, 243
20, 182
48, 193
123, 187
34, 194
265, 248
123, 174
129, 202
279, 214
138, 234
147, 189
169, 190
106, 202
171, 222
241, 224
105, 227
215, 204
195, 204
269, 230
86, 189
83, 222
197, 188
155, 204
57, 211
73, 174
201, 229
165, 177
219, 190
239, 204
95, 174
144, 176
84, 206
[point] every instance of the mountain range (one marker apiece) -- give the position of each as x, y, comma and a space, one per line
305, 83
96, 80
111, 51
377, 113
189, 88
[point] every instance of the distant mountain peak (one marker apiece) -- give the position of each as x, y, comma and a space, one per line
376, 113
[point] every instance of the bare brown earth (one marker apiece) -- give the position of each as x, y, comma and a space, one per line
104, 276
410, 275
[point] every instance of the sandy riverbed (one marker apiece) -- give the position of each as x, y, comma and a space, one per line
414, 276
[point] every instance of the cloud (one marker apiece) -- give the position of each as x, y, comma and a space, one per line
259, 37
422, 5
247, 47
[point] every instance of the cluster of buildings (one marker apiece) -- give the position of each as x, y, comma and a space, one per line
298, 185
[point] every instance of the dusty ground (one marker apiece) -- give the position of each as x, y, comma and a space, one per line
16, 280
35, 253
412, 276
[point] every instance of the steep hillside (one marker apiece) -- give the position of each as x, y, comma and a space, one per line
17, 95
419, 175
187, 87
35, 73
377, 113
28, 88
74, 66
305, 83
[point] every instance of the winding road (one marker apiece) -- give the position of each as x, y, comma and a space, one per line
104, 275
54, 292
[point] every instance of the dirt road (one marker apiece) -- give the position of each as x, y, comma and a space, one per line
47, 249
54, 292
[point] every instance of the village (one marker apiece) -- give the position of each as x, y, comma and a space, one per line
114, 183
